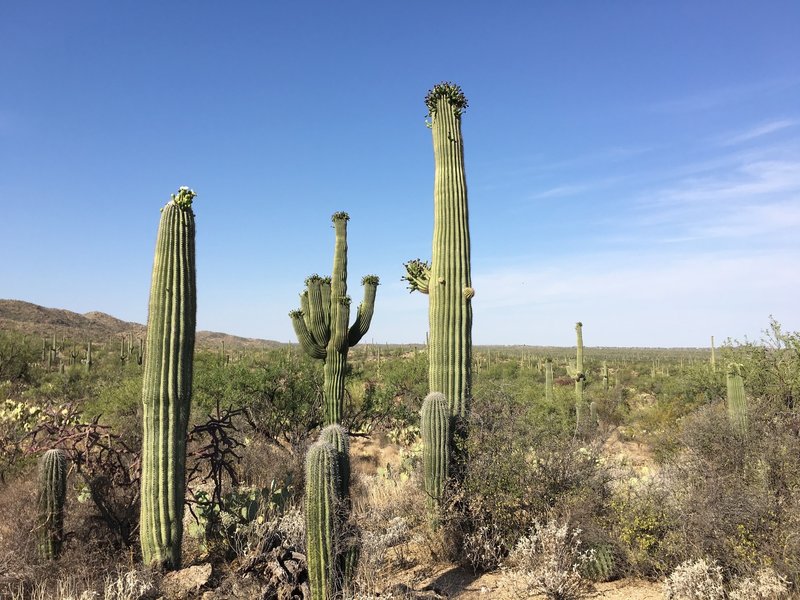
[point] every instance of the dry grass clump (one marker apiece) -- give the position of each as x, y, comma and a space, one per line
390, 513
764, 585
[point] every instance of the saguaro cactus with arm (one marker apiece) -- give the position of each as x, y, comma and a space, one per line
167, 387
447, 280
321, 324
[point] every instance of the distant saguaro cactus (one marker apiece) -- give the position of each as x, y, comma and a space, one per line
322, 323
167, 387
435, 427
737, 401
548, 380
580, 378
322, 521
51, 498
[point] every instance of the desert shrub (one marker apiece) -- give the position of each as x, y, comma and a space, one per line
16, 357
695, 580
766, 584
642, 521
550, 561
518, 471
720, 485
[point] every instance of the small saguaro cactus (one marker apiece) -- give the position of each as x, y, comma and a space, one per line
89, 356
167, 387
435, 429
605, 376
548, 380
51, 498
321, 324
737, 401
713, 356
322, 520
447, 279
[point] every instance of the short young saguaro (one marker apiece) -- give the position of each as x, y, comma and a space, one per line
447, 279
167, 387
322, 323
51, 499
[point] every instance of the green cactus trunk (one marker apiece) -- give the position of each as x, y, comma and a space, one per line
322, 323
605, 376
713, 356
51, 498
322, 505
89, 356
737, 401
548, 380
435, 429
336, 436
580, 379
450, 288
167, 387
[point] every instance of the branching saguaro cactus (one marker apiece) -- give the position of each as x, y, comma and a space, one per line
322, 322
167, 387
435, 426
737, 401
447, 280
322, 520
52, 495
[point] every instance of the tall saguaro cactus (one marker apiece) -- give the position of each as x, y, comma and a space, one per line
52, 494
322, 323
737, 401
167, 387
447, 280
322, 521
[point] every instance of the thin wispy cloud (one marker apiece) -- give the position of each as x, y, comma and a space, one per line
631, 300
758, 132
714, 98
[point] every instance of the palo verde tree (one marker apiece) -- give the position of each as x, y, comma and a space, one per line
322, 322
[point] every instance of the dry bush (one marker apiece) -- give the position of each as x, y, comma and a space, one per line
695, 580
519, 469
765, 585
550, 560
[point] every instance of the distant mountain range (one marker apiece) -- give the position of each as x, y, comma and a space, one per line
32, 319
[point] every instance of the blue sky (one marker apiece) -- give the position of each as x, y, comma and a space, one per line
633, 165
